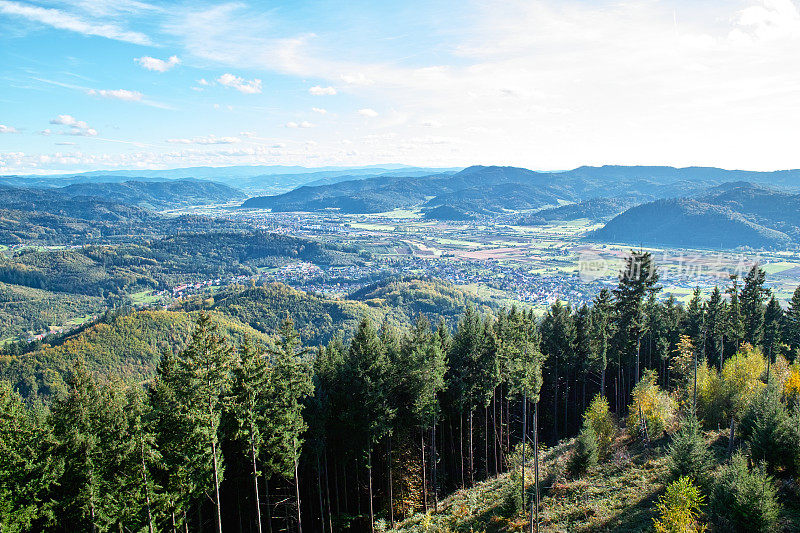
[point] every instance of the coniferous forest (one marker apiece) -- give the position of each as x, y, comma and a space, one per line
378, 430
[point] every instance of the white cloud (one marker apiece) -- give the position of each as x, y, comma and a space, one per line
358, 79
77, 127
247, 133
158, 65
319, 110
208, 139
65, 143
318, 90
66, 21
367, 112
8, 129
303, 124
203, 81
117, 94
240, 84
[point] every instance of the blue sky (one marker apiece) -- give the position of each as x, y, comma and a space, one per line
546, 84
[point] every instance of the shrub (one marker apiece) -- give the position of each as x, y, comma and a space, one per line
585, 454
598, 416
689, 455
711, 401
767, 427
791, 387
745, 500
741, 378
652, 403
679, 508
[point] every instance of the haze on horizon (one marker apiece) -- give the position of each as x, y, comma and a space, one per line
545, 84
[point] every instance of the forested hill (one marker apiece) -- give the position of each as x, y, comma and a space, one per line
730, 215
642, 413
128, 345
91, 212
482, 189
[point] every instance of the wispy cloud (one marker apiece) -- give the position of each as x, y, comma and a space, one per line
240, 84
318, 90
62, 20
303, 124
367, 112
208, 139
117, 94
8, 129
158, 65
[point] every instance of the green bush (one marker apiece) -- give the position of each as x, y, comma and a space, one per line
679, 508
745, 500
598, 416
652, 403
585, 455
769, 430
689, 455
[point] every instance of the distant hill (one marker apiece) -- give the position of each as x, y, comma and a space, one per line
257, 179
89, 212
593, 209
727, 216
446, 212
494, 189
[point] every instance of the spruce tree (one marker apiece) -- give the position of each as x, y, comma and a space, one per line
203, 379
792, 332
753, 295
689, 455
773, 328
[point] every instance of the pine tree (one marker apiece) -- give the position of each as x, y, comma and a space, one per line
715, 326
792, 332
734, 324
773, 326
753, 294
290, 383
248, 404
602, 332
29, 467
689, 455
203, 379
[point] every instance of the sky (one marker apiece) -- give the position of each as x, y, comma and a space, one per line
543, 84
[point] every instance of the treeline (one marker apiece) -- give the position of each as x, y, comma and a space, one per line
356, 435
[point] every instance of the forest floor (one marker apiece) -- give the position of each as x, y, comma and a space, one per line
619, 494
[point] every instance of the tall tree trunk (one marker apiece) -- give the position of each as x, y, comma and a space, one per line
371, 512
147, 493
391, 488
255, 484
269, 506
434, 467
535, 502
424, 473
494, 427
486, 440
328, 492
319, 491
216, 468
297, 495
555, 409
471, 451
461, 432
524, 434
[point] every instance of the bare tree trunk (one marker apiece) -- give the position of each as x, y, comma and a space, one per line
535, 513
486, 440
424, 473
319, 492
391, 489
269, 507
297, 495
434, 467
471, 451
461, 432
216, 485
371, 511
494, 428
524, 435
147, 493
255, 484
328, 492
